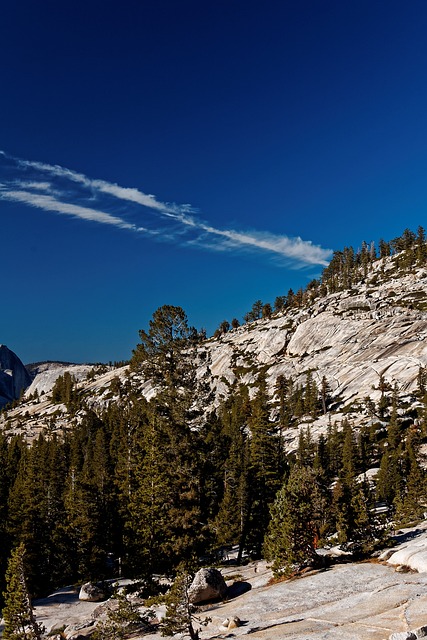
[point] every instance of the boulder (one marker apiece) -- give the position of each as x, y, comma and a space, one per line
229, 624
403, 635
208, 584
92, 593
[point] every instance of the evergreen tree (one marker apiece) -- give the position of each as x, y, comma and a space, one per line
180, 613
325, 391
409, 503
283, 387
64, 390
123, 620
214, 454
223, 327
421, 246
293, 531
229, 525
19, 619
385, 249
311, 395
389, 478
264, 471
267, 310
165, 486
280, 303
164, 353
306, 448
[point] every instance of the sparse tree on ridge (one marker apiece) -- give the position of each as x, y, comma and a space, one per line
280, 303
267, 310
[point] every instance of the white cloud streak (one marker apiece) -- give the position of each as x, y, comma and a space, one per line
48, 203
293, 250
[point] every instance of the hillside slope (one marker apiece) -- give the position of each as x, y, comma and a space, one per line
377, 329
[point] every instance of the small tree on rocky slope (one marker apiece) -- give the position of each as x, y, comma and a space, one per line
290, 542
19, 619
180, 617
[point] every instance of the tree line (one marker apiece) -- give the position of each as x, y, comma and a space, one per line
347, 268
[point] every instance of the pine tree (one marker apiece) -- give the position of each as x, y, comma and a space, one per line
19, 620
389, 478
293, 531
393, 426
5, 482
165, 481
267, 310
421, 246
229, 523
180, 616
214, 453
410, 503
325, 391
283, 388
165, 350
311, 395
87, 523
347, 490
123, 619
264, 470
280, 303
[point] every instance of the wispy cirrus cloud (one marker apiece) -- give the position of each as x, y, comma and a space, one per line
49, 203
57, 189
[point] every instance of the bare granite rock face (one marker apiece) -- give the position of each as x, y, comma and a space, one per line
14, 377
351, 338
47, 373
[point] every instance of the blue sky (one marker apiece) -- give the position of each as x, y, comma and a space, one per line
202, 154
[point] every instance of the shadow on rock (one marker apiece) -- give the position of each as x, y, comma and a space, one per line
405, 536
66, 595
238, 589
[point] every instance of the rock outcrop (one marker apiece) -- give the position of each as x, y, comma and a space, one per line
47, 373
14, 377
352, 337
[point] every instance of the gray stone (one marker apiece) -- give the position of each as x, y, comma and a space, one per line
230, 623
403, 635
234, 622
208, 584
83, 630
421, 632
90, 592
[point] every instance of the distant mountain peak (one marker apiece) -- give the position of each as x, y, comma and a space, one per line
14, 377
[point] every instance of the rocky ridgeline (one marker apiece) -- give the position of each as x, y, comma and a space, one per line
45, 375
352, 337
